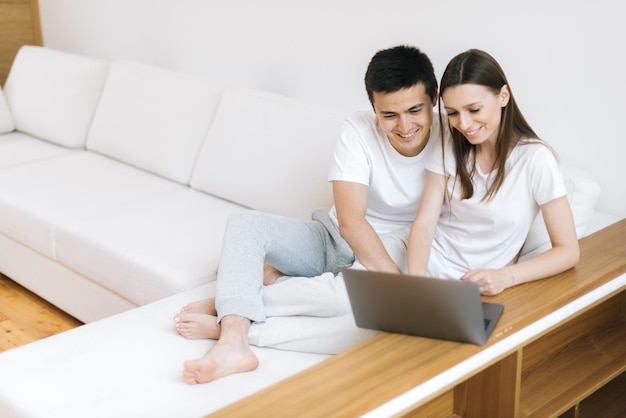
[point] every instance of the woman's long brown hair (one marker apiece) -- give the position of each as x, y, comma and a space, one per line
478, 67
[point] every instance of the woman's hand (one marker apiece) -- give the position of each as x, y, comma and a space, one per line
490, 282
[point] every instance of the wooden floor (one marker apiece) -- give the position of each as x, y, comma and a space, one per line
25, 317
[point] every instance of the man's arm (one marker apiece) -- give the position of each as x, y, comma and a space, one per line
351, 205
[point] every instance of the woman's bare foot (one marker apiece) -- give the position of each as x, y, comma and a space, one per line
231, 354
194, 326
204, 306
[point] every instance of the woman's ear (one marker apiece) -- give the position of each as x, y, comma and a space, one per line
504, 96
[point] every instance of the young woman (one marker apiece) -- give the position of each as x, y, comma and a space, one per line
486, 187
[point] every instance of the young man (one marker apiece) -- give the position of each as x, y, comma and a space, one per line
377, 174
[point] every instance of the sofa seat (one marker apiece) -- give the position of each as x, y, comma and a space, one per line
47, 193
150, 248
17, 148
138, 234
129, 365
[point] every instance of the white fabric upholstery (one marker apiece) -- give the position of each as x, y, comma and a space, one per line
268, 152
63, 287
53, 95
36, 198
582, 193
129, 366
150, 248
6, 119
153, 118
17, 148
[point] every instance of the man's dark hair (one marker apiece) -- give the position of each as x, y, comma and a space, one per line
398, 68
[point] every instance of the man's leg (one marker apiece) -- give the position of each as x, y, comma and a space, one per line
231, 354
249, 238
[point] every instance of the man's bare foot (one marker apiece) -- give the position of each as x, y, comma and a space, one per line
193, 326
231, 354
204, 306
271, 274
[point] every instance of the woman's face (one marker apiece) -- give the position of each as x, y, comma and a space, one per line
475, 111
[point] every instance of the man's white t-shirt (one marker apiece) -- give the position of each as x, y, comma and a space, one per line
474, 234
395, 183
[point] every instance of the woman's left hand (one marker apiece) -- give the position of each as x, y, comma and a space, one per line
490, 282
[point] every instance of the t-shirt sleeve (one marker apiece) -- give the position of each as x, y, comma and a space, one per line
350, 160
439, 164
545, 176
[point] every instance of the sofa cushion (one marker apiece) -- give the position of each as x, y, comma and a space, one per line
153, 118
149, 248
36, 198
582, 193
53, 95
269, 153
17, 148
6, 119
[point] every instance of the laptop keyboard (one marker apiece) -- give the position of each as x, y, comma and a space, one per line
487, 322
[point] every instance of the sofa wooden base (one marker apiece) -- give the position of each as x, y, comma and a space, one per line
558, 341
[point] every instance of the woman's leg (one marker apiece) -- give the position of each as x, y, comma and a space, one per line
309, 334
322, 296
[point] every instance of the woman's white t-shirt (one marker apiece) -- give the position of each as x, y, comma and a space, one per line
474, 233
395, 183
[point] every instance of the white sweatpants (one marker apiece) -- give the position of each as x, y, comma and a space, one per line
312, 314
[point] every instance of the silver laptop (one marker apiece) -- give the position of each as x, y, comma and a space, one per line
420, 306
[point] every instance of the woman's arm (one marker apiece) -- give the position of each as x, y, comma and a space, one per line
565, 251
563, 255
423, 228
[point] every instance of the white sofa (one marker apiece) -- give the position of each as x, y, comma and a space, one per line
116, 180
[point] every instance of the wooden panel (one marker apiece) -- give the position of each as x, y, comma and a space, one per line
564, 378
607, 402
19, 25
493, 393
441, 406
386, 366
551, 344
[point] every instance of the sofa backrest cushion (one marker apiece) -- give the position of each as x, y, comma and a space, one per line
153, 118
53, 95
582, 192
6, 120
268, 152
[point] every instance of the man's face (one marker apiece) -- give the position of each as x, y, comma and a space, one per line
406, 116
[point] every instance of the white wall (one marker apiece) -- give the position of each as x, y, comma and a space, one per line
565, 59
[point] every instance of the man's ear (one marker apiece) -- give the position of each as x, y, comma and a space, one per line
436, 97
504, 96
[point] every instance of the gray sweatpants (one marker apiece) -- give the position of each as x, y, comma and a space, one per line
294, 246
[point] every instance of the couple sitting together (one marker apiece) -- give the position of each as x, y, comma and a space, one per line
448, 194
